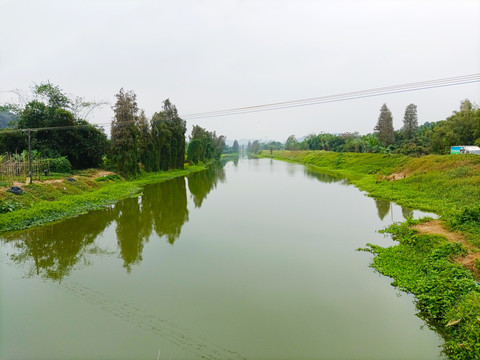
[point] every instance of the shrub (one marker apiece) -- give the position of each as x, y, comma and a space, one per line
60, 165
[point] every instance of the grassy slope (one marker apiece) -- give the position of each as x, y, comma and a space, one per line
422, 264
48, 202
445, 185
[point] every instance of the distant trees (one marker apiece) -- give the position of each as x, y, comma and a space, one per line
291, 143
204, 145
235, 147
384, 127
462, 128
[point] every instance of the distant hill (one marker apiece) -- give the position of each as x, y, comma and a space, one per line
6, 118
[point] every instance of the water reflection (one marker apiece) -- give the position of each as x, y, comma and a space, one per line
53, 251
167, 204
323, 177
383, 207
134, 226
201, 183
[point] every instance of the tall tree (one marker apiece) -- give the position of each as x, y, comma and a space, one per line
145, 144
235, 147
384, 127
291, 143
168, 133
410, 121
125, 134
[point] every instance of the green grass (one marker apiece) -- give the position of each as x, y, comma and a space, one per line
44, 203
445, 291
443, 184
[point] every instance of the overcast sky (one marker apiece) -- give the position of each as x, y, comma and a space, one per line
220, 54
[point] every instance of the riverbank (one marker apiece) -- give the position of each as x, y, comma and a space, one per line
70, 196
427, 263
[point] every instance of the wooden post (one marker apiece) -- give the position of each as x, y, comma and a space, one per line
29, 157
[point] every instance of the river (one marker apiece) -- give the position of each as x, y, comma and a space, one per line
255, 260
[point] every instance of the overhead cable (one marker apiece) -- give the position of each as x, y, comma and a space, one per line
416, 86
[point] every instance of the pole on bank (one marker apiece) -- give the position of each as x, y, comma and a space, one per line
29, 156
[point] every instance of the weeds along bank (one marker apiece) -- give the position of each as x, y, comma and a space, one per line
66, 197
428, 266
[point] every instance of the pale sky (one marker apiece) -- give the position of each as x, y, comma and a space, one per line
220, 54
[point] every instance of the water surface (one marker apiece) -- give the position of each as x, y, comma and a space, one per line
255, 260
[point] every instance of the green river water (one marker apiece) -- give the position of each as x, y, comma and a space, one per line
255, 260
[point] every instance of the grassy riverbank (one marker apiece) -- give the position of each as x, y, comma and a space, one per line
59, 199
446, 185
426, 265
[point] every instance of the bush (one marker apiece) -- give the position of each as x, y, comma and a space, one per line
60, 165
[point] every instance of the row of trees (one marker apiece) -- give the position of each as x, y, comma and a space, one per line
158, 144
137, 143
461, 128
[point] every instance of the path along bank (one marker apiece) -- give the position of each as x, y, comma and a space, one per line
428, 262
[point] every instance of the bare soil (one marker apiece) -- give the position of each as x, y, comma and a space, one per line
436, 227
397, 176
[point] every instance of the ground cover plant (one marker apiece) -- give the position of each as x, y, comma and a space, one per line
63, 198
447, 294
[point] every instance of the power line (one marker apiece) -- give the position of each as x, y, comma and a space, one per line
388, 90
416, 86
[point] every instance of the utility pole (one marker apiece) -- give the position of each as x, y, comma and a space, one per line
29, 157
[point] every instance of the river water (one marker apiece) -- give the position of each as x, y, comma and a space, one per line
255, 260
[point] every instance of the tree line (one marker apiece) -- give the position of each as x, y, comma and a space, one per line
136, 144
461, 128
81, 142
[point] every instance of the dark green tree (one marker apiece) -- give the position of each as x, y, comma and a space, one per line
125, 134
384, 127
195, 151
145, 144
410, 121
168, 137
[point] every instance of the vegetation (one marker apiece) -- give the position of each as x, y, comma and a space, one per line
446, 185
204, 145
447, 294
137, 144
53, 201
82, 143
461, 128
384, 127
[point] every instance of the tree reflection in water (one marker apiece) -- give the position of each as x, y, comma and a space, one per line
201, 183
53, 251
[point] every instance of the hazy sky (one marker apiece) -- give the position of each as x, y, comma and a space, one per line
214, 55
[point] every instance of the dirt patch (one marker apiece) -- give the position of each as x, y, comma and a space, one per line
101, 173
435, 227
397, 176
